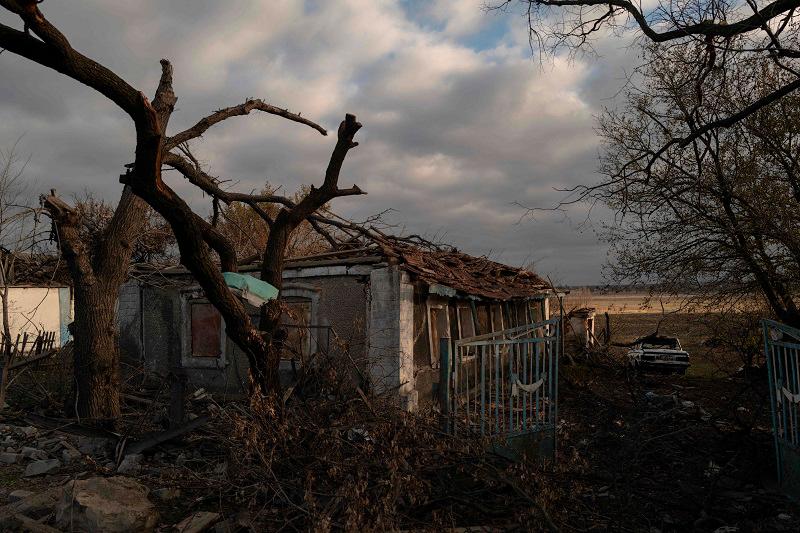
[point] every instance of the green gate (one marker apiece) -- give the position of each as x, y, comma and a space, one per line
782, 351
504, 385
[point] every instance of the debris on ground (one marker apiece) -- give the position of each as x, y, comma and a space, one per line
633, 455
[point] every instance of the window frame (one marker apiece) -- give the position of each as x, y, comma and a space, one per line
441, 305
188, 298
467, 308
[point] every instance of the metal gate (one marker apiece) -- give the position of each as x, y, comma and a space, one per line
782, 352
505, 385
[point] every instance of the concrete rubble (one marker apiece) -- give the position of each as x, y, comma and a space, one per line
106, 504
131, 463
78, 503
42, 467
18, 495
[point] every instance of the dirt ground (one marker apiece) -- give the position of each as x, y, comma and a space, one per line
651, 453
668, 452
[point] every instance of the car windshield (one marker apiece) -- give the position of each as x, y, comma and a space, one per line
668, 344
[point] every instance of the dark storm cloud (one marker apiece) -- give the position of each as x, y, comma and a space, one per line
454, 137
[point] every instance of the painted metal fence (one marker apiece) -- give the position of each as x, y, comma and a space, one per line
505, 384
782, 352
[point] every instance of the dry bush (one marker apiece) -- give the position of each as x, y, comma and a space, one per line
736, 341
43, 386
337, 459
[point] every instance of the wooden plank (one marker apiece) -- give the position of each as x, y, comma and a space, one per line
31, 360
164, 436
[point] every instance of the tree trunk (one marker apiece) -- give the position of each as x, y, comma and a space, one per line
99, 271
97, 274
6, 342
96, 355
272, 273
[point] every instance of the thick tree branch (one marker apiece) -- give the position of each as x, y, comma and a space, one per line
317, 197
66, 227
726, 122
209, 185
707, 28
54, 51
236, 111
126, 224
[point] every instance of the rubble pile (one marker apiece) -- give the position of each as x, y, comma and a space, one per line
652, 456
330, 457
39, 453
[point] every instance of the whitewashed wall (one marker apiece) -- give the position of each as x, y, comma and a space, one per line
36, 309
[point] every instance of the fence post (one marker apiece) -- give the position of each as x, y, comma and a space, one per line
177, 391
772, 401
444, 382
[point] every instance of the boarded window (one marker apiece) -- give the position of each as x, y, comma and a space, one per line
297, 319
466, 323
206, 330
498, 322
438, 325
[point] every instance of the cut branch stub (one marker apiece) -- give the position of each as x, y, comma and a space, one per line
58, 208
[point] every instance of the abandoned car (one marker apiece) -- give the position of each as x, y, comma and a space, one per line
656, 353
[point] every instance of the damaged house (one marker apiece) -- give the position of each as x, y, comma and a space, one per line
387, 307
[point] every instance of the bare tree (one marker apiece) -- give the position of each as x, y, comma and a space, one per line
717, 32
198, 241
699, 165
98, 263
20, 234
98, 268
718, 219
248, 231
99, 243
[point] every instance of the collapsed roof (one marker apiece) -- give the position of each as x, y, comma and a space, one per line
443, 268
477, 276
448, 267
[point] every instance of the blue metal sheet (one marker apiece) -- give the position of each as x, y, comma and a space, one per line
252, 289
64, 313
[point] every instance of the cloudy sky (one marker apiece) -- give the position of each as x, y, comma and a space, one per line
461, 123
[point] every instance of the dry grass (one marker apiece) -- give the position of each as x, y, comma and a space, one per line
621, 302
697, 333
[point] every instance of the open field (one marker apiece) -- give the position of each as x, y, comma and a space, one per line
619, 302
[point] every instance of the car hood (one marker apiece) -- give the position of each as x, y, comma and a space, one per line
660, 351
